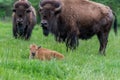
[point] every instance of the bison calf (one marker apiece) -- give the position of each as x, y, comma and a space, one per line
43, 54
24, 19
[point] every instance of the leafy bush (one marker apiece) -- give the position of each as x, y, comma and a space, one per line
6, 6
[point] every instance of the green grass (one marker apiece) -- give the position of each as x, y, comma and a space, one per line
82, 64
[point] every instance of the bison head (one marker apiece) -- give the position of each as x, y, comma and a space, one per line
21, 10
49, 11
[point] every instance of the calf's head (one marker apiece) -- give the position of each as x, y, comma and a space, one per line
33, 50
49, 11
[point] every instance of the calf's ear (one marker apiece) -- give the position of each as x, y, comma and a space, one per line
39, 47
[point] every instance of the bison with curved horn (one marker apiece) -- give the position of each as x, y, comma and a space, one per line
24, 19
70, 20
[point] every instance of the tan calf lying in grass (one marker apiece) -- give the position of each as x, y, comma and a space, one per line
43, 53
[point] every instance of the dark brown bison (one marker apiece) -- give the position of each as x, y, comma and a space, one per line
70, 20
24, 19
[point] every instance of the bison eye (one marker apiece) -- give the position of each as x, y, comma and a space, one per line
39, 10
27, 11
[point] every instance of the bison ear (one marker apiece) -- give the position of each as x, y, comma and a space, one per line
28, 11
57, 12
14, 10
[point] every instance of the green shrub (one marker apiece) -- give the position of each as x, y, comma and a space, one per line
6, 6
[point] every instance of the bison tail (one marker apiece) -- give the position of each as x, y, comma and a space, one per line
115, 23
58, 55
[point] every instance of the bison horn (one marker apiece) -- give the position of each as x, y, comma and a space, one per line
58, 8
40, 7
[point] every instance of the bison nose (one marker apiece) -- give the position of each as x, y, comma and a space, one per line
33, 54
44, 23
19, 20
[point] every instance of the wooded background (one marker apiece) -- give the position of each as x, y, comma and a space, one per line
7, 5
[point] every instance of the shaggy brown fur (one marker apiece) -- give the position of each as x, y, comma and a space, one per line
43, 53
24, 19
70, 20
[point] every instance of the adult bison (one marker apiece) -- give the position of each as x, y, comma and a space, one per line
70, 20
24, 19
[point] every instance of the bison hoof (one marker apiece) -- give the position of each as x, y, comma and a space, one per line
102, 52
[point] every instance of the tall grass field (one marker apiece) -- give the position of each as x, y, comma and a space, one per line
84, 63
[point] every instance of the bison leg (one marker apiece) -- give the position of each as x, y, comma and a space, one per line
60, 38
15, 32
28, 33
103, 39
72, 41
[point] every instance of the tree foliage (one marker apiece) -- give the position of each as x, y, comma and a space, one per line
114, 4
7, 5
